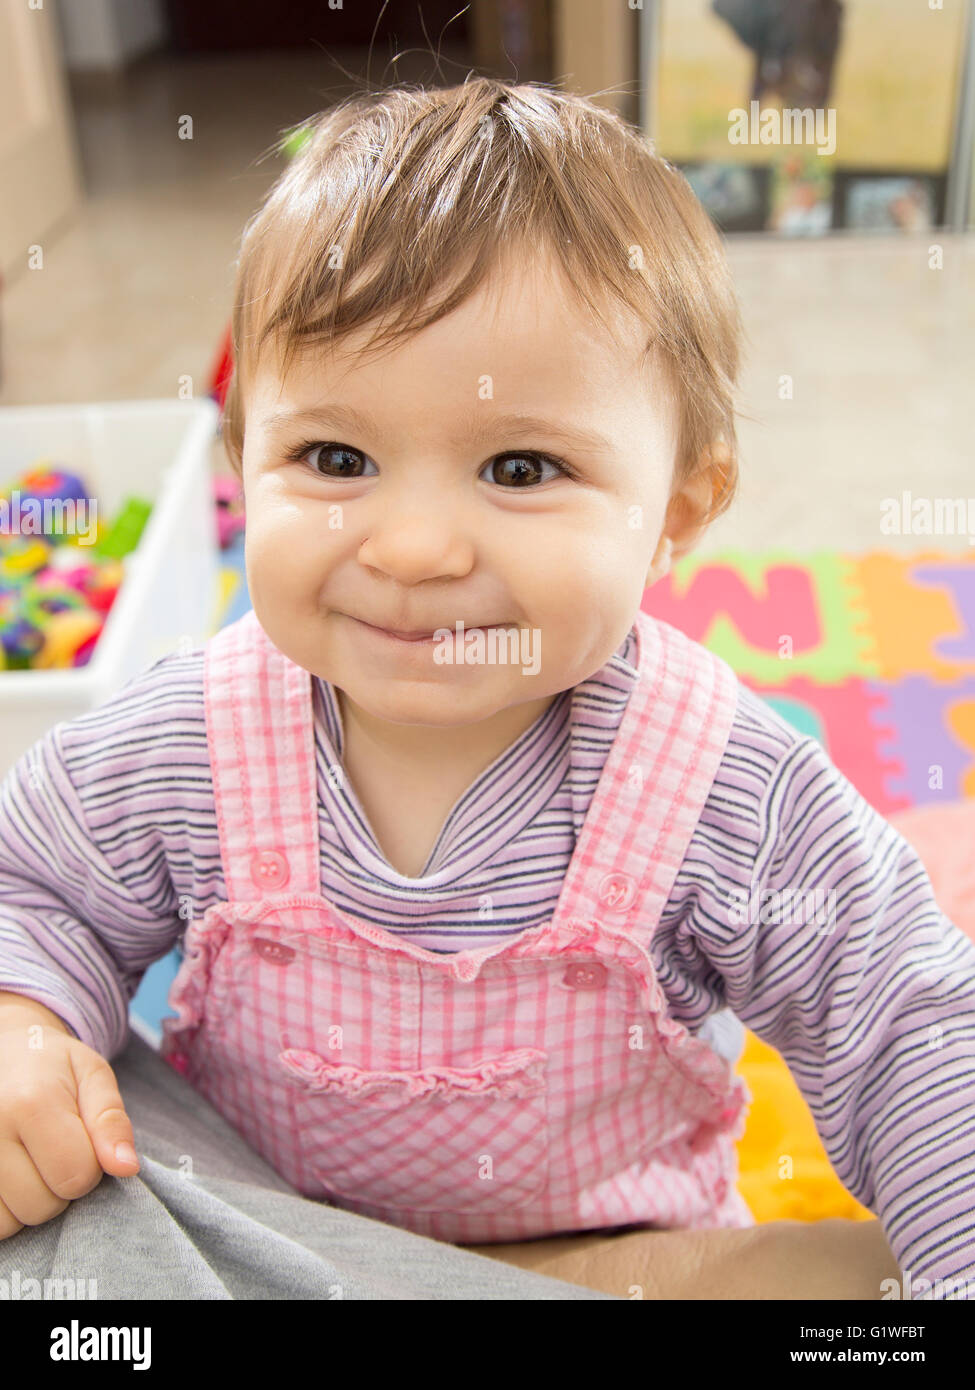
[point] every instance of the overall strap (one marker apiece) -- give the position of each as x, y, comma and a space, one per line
260, 735
654, 785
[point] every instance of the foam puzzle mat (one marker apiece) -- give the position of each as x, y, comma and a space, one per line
873, 654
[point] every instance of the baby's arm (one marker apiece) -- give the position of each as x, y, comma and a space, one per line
86, 900
795, 1260
75, 939
873, 1009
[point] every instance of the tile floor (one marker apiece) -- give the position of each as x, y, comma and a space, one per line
135, 293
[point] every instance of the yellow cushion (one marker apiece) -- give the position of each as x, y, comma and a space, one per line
784, 1174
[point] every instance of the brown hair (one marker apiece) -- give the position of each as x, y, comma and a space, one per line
401, 201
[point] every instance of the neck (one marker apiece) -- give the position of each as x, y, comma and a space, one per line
423, 746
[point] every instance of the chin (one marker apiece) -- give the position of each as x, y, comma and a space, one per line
422, 705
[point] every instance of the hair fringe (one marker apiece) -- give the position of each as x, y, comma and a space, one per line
402, 201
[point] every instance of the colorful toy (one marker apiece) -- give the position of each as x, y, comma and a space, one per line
45, 482
49, 594
69, 638
124, 534
22, 556
222, 369
228, 496
21, 640
100, 583
873, 654
44, 499
55, 593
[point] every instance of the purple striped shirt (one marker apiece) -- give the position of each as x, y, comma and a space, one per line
109, 844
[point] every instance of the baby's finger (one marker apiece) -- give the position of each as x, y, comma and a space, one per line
9, 1225
61, 1151
102, 1112
26, 1195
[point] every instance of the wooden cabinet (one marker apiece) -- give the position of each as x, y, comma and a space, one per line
243, 24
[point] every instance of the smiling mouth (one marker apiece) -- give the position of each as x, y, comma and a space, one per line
426, 636
401, 636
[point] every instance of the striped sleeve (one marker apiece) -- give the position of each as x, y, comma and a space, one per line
84, 912
834, 950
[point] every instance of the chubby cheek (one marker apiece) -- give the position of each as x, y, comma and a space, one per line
286, 555
269, 583
591, 575
583, 597
286, 602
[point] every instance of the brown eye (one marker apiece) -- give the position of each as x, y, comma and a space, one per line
519, 470
343, 462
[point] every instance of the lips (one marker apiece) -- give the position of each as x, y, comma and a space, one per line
426, 636
413, 636
406, 636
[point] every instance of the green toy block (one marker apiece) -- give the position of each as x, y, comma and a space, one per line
125, 532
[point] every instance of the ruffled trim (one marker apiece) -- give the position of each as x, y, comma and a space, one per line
514, 1074
690, 1056
188, 991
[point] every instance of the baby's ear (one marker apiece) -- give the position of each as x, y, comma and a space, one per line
684, 525
687, 513
661, 562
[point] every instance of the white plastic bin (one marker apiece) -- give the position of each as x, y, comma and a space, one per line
159, 450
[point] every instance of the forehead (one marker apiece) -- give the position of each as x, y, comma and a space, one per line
523, 339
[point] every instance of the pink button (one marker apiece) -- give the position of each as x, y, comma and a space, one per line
273, 951
617, 891
270, 869
585, 976
702, 1139
301, 1063
465, 968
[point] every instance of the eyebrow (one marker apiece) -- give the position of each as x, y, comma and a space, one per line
511, 423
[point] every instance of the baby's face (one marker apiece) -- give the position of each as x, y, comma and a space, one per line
434, 507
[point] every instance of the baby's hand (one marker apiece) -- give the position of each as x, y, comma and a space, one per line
61, 1117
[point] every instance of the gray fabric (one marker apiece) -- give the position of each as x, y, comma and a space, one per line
207, 1218
725, 1033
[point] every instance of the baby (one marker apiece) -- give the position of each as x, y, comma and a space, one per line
480, 867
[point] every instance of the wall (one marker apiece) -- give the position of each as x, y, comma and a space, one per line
108, 34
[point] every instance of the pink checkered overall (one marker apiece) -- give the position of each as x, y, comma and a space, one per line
492, 1094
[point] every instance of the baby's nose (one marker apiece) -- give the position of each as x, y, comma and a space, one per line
418, 546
